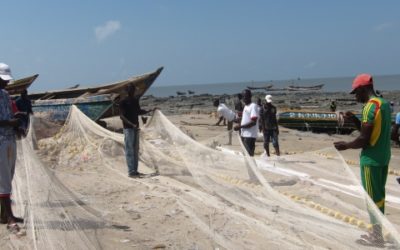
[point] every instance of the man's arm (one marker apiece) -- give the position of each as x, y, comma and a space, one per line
350, 117
252, 123
360, 142
219, 121
10, 123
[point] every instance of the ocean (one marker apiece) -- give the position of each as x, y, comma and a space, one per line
334, 84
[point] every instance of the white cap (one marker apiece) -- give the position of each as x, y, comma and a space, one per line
268, 98
5, 72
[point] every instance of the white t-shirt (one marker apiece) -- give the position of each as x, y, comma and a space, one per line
225, 112
250, 111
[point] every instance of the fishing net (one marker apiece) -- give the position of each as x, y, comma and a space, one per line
308, 200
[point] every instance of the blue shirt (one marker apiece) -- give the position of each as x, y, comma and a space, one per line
398, 118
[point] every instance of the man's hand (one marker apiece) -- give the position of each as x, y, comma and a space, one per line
14, 123
236, 128
349, 116
340, 145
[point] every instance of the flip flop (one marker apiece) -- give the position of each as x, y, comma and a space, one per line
14, 229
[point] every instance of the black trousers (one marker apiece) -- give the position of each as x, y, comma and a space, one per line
250, 144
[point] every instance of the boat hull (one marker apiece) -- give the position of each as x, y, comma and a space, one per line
57, 110
314, 121
18, 86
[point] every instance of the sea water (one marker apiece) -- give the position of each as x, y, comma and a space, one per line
334, 84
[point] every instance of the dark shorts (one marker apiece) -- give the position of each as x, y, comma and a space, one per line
271, 135
250, 144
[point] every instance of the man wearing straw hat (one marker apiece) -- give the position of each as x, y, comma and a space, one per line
7, 152
374, 139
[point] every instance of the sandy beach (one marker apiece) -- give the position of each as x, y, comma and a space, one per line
226, 208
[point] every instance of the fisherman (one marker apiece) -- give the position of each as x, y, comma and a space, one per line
7, 152
269, 125
374, 140
249, 123
332, 107
24, 104
129, 114
239, 106
225, 113
391, 106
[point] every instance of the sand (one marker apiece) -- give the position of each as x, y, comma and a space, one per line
145, 214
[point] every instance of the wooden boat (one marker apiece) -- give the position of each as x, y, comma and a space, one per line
267, 87
315, 121
16, 87
57, 110
142, 83
190, 92
304, 88
180, 93
95, 102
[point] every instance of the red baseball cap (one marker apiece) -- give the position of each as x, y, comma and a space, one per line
361, 80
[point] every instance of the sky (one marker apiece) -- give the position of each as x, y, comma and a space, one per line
209, 41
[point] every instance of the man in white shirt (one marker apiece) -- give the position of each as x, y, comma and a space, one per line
249, 123
225, 113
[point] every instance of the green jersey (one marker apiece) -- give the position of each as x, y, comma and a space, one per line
377, 113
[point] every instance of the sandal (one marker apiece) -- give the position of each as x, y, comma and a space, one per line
14, 229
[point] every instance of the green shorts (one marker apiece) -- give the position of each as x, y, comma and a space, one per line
373, 179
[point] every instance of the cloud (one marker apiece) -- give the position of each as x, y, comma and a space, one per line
106, 30
382, 26
310, 65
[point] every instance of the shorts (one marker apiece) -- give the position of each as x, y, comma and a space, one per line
8, 154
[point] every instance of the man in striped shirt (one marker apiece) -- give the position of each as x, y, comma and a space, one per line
374, 140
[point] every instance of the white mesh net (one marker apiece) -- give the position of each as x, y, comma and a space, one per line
310, 200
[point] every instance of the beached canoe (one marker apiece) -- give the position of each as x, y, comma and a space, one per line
315, 121
142, 83
57, 110
16, 87
96, 102
304, 88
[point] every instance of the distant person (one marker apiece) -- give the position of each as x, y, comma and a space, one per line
129, 114
269, 125
225, 113
332, 107
374, 140
395, 129
24, 104
248, 124
8, 152
391, 107
239, 105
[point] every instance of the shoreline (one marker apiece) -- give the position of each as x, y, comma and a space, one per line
315, 100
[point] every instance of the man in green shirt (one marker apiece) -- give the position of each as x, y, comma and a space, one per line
374, 140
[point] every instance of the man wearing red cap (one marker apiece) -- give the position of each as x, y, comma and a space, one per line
374, 140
